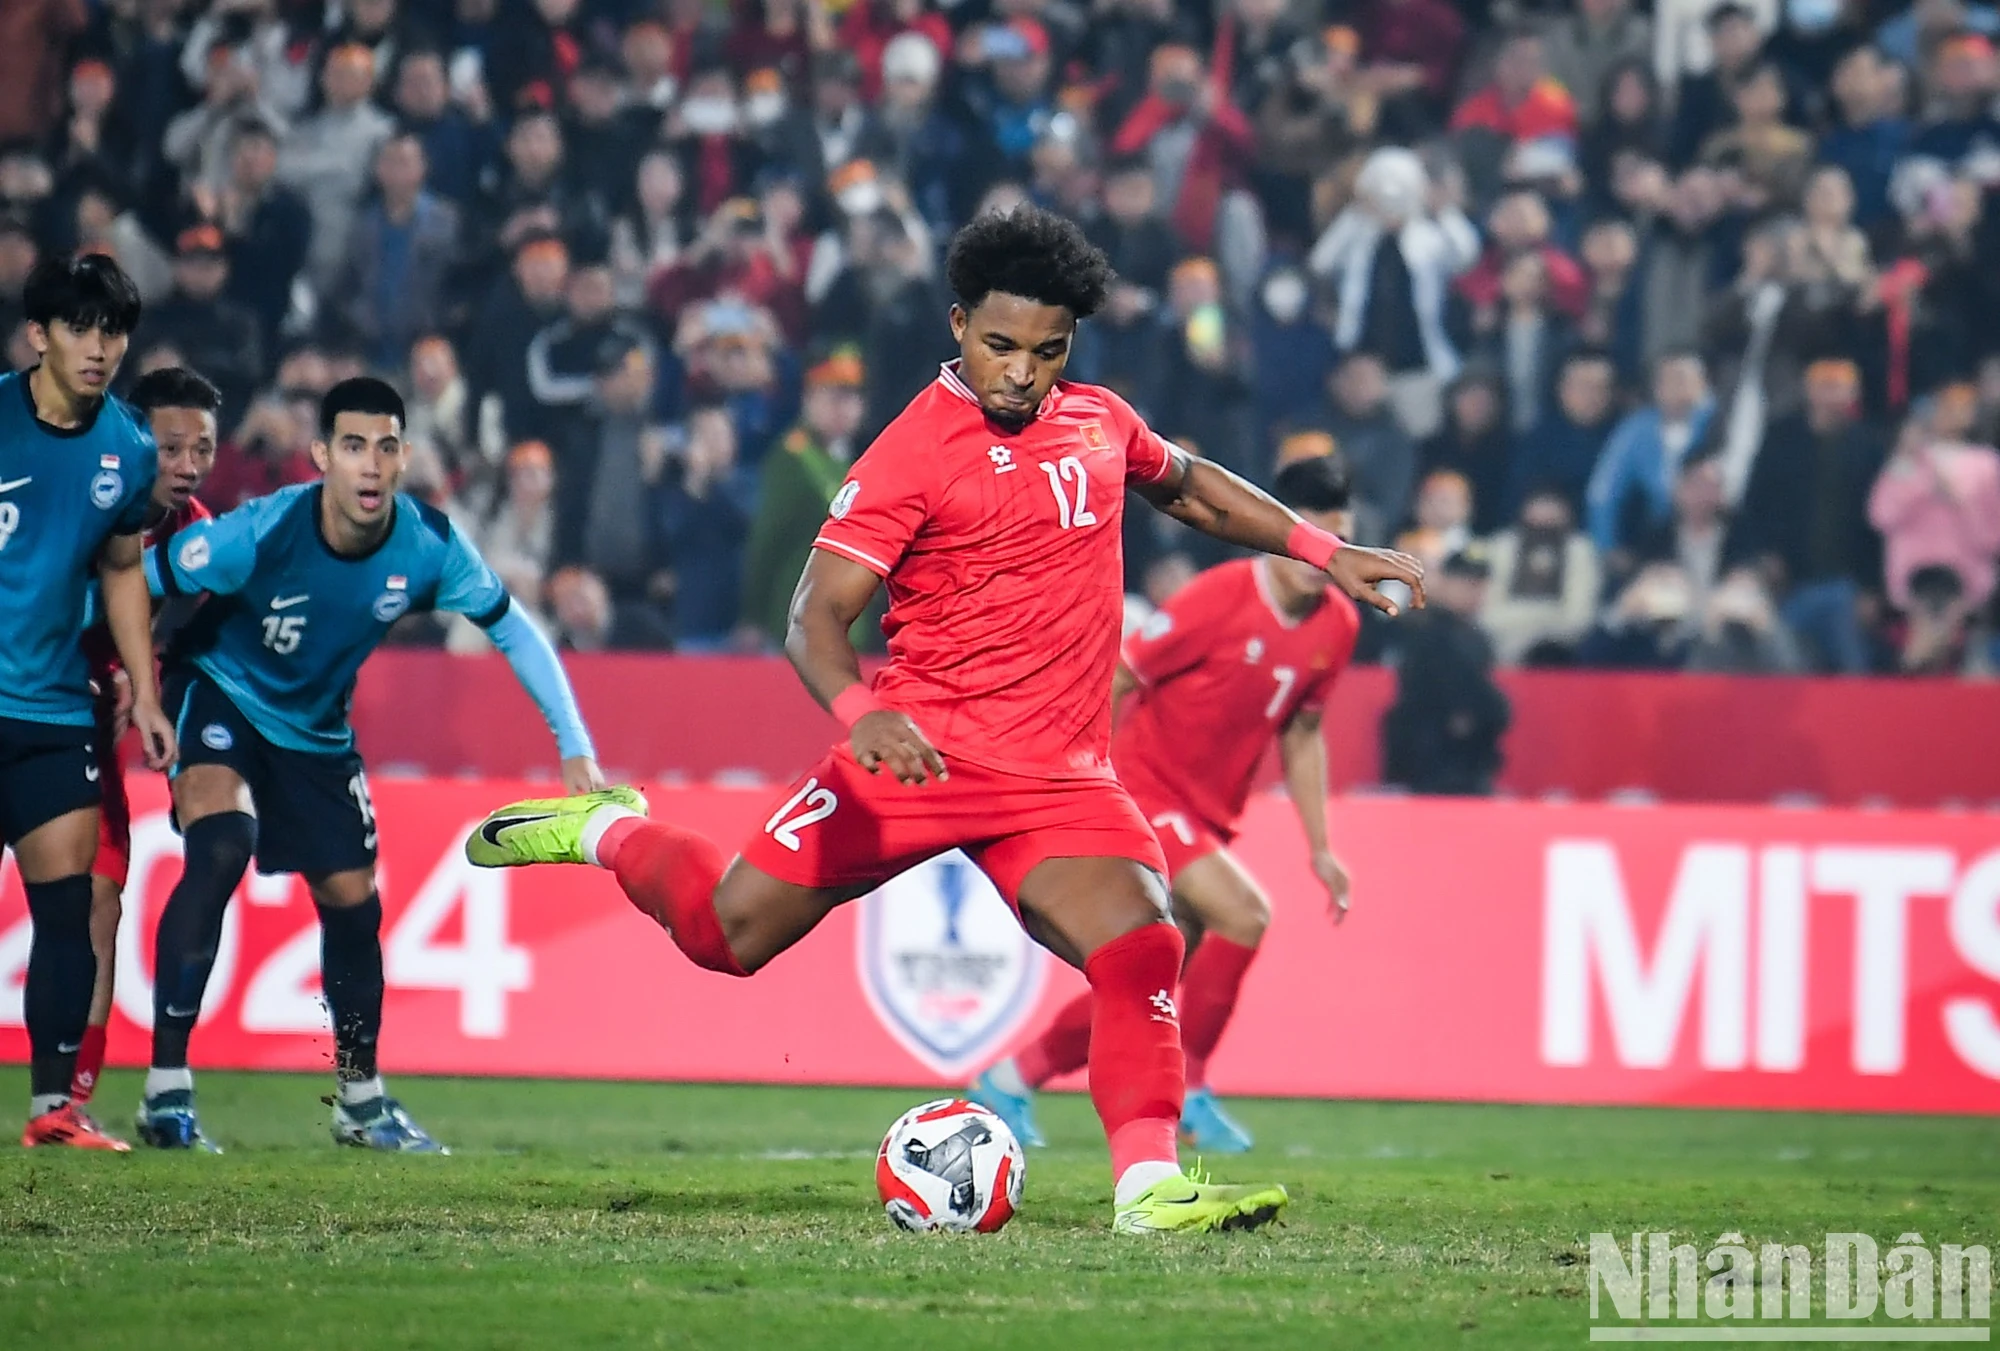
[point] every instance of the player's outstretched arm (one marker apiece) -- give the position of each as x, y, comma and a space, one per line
1203, 494
1302, 749
128, 612
467, 586
832, 593
541, 674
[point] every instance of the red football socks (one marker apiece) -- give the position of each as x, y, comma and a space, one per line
671, 874
89, 1064
1062, 1047
1135, 1044
1208, 996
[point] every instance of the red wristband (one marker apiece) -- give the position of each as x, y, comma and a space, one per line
1310, 544
853, 704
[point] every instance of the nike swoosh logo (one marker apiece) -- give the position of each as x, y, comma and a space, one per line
11, 485
287, 602
90, 773
173, 1012
70, 1049
490, 832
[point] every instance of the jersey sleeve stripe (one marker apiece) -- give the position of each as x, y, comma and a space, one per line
494, 615
1173, 457
867, 560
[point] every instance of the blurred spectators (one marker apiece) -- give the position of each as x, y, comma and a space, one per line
1379, 454
1937, 505
1645, 274
1475, 444
1631, 490
1562, 450
1522, 104
1391, 258
1648, 626
267, 227
391, 285
1696, 539
1442, 734
1740, 633
212, 333
1545, 584
33, 37
1804, 517
705, 500
798, 485
329, 154
1585, 48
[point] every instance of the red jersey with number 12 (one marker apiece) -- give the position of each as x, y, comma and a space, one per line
1005, 569
1220, 670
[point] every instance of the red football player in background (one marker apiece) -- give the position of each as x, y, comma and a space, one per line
1244, 652
180, 408
992, 508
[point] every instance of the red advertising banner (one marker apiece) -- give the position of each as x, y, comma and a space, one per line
1497, 951
1909, 743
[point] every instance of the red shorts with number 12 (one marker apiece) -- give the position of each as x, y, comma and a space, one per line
839, 826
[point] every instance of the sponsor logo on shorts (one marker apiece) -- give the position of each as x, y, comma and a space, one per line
216, 737
390, 606
945, 965
844, 499
106, 488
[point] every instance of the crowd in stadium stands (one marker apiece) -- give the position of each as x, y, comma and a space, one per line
1672, 337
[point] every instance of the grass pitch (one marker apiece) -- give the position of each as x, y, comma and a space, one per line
600, 1215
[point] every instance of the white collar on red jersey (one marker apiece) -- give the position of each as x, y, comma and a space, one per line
1260, 568
954, 383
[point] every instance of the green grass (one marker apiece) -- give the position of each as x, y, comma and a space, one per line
597, 1215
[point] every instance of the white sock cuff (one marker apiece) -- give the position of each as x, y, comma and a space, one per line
594, 826
1006, 1076
356, 1091
178, 1080
1132, 1183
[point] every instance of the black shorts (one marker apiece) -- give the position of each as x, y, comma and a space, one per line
314, 815
46, 770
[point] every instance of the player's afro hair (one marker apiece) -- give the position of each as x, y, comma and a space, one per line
1031, 253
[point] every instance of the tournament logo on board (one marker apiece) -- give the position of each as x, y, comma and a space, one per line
945, 965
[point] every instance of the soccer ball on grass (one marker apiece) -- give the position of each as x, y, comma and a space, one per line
950, 1164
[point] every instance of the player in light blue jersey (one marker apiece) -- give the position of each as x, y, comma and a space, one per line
76, 479
302, 585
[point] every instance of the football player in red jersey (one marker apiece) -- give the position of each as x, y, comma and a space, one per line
991, 507
180, 408
1245, 652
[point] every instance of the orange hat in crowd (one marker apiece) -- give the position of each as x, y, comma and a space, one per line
842, 366
530, 454
1195, 269
1305, 446
199, 241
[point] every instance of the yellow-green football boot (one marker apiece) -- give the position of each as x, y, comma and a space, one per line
543, 830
